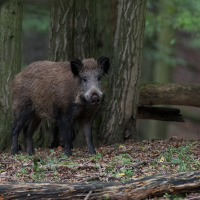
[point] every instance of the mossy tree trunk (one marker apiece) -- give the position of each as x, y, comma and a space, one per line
10, 62
119, 116
72, 35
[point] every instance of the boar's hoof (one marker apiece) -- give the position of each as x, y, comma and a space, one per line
68, 153
30, 153
92, 151
14, 152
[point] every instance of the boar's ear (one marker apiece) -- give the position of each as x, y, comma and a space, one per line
104, 63
76, 66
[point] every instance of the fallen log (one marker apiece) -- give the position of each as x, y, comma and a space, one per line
170, 94
159, 113
148, 187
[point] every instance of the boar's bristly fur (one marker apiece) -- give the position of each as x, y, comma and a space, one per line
62, 91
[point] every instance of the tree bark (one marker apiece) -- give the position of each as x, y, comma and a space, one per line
170, 94
156, 185
72, 30
61, 48
84, 46
72, 35
85, 29
10, 62
123, 90
61, 31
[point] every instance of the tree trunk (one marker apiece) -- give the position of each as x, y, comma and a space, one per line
84, 46
10, 62
61, 48
61, 31
72, 30
85, 29
123, 90
72, 35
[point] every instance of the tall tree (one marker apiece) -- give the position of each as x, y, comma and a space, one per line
84, 44
72, 35
10, 61
85, 29
61, 30
72, 30
123, 91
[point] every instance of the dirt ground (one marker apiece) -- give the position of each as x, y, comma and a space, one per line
132, 160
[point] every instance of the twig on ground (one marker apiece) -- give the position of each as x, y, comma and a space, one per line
144, 162
168, 163
92, 179
88, 195
100, 170
132, 159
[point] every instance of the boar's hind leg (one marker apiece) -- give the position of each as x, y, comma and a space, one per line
88, 136
28, 130
19, 122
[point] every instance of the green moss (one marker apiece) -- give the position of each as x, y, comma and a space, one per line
150, 83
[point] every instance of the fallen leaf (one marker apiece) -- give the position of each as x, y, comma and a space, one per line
162, 159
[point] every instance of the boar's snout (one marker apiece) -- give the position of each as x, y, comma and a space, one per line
94, 96
95, 99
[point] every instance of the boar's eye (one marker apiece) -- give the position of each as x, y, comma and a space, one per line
99, 78
84, 80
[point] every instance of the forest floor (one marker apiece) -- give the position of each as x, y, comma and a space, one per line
119, 162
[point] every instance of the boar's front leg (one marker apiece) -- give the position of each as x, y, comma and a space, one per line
65, 128
88, 136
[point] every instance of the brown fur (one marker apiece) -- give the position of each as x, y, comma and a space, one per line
64, 91
47, 85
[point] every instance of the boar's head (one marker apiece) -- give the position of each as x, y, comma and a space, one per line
90, 73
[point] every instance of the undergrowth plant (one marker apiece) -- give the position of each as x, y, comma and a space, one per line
181, 156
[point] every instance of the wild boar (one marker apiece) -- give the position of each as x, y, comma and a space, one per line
61, 91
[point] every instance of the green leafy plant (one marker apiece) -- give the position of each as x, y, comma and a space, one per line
72, 164
167, 195
129, 173
181, 156
24, 171
95, 157
63, 156
96, 165
108, 168
18, 174
125, 161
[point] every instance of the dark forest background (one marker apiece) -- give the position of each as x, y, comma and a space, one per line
171, 51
